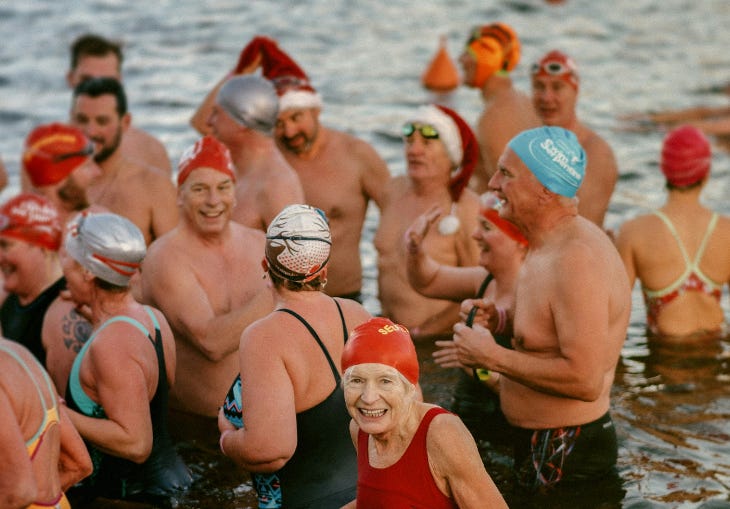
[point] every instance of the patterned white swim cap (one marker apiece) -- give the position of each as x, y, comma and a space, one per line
298, 243
108, 245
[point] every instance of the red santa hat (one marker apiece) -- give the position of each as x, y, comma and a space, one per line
459, 140
291, 82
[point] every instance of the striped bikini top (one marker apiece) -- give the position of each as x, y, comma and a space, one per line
50, 414
691, 280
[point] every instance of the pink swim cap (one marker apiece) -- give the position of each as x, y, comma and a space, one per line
686, 156
380, 341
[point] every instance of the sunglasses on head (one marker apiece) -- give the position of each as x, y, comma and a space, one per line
86, 151
553, 67
429, 132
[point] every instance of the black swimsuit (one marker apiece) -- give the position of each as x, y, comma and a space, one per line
163, 474
24, 323
322, 473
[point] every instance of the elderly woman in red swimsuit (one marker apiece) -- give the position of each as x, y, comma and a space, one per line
680, 252
409, 453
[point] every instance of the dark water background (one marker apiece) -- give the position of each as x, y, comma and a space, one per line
671, 405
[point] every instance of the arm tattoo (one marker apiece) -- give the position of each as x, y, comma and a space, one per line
76, 330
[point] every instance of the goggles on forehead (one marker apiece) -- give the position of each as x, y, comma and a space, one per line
86, 151
552, 67
429, 132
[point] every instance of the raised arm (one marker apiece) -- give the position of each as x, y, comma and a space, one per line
248, 61
430, 278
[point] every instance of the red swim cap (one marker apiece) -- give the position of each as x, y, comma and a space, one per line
380, 341
206, 153
559, 65
33, 219
53, 151
686, 156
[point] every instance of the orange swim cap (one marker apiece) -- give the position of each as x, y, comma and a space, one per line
495, 48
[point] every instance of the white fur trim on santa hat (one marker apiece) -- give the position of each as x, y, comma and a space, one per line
446, 127
296, 99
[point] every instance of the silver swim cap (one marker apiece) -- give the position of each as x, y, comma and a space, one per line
109, 246
251, 101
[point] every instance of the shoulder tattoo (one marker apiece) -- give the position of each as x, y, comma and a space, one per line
75, 330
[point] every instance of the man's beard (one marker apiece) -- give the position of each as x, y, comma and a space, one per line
73, 195
303, 148
107, 151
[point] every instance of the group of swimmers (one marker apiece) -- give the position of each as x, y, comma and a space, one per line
165, 279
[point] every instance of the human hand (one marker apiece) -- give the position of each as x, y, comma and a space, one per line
472, 345
485, 313
447, 355
418, 230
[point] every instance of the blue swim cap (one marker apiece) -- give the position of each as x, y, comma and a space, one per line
554, 156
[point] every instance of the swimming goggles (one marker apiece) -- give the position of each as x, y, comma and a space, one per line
429, 132
552, 67
86, 151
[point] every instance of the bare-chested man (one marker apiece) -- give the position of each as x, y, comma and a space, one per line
572, 310
491, 52
441, 152
144, 195
93, 56
339, 173
554, 95
243, 118
205, 276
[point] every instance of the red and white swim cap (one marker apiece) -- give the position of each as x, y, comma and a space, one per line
31, 218
207, 152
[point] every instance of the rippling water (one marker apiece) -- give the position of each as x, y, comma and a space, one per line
671, 407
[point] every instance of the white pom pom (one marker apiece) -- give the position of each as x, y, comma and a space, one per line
449, 225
